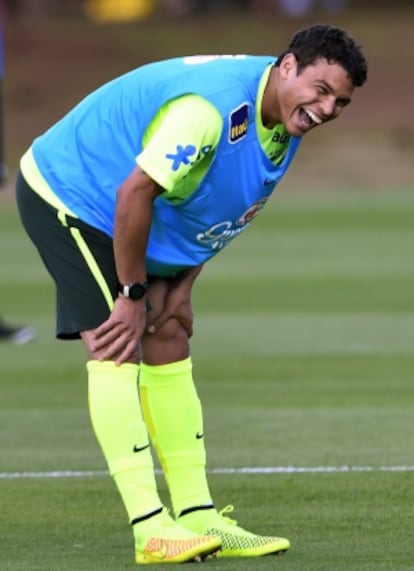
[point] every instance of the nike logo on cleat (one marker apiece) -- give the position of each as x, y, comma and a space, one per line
140, 448
199, 435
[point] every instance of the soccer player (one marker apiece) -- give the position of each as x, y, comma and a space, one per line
125, 198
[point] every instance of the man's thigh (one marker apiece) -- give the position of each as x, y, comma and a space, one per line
78, 257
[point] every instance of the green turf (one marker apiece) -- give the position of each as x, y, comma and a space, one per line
303, 354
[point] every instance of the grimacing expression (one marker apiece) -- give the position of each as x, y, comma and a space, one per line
315, 95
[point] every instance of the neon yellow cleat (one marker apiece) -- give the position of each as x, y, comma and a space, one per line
236, 541
169, 542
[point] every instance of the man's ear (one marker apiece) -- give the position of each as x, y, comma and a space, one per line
288, 65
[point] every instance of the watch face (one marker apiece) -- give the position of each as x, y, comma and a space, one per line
136, 291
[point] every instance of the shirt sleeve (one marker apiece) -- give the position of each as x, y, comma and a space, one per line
184, 131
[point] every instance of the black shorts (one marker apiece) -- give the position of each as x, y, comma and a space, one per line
79, 258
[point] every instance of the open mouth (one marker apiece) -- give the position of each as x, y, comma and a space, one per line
308, 118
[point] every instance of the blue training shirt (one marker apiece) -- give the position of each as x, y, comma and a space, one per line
88, 154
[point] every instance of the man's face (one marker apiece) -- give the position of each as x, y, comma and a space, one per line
316, 95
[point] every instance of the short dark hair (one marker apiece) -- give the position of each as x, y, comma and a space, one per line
330, 43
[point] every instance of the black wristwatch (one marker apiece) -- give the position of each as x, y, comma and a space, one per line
133, 291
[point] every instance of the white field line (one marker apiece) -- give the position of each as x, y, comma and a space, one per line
230, 471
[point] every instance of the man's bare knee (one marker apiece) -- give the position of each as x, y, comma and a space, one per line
170, 330
166, 345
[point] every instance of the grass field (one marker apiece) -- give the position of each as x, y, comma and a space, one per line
304, 358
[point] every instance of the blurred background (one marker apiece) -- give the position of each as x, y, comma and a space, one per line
56, 51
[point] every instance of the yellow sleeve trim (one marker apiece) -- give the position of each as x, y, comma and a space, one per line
189, 124
35, 180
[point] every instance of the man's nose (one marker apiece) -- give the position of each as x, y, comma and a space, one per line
329, 106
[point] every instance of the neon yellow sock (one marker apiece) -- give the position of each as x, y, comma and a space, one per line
173, 415
116, 417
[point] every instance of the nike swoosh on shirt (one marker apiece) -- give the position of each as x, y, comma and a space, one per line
140, 448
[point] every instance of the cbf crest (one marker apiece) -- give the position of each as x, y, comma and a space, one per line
251, 212
238, 122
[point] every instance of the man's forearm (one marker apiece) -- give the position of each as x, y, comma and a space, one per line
132, 225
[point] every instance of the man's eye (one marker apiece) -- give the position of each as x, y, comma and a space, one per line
342, 103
